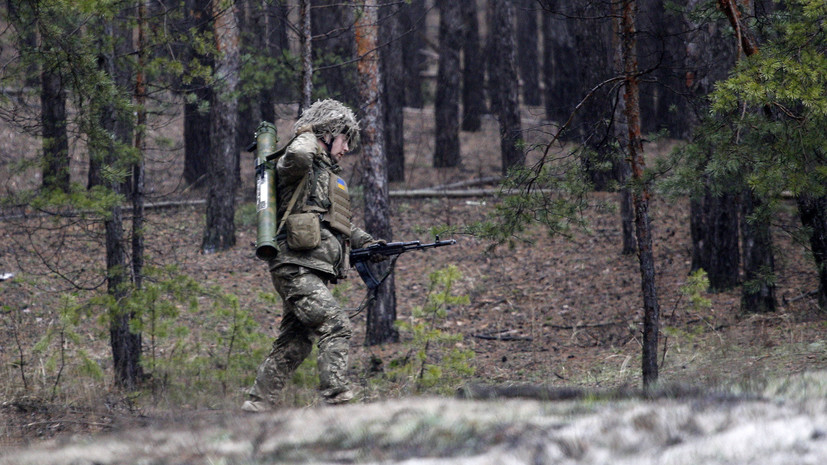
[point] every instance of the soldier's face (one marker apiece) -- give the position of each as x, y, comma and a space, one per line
339, 148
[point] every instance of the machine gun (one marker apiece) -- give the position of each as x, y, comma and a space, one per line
360, 257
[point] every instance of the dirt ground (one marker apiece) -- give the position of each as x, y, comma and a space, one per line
558, 311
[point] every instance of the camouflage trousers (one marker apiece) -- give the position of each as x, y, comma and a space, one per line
310, 311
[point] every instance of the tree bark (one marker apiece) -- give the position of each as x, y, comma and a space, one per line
277, 25
55, 138
813, 214
758, 291
621, 131
307, 55
138, 168
446, 106
490, 65
714, 226
506, 70
382, 310
640, 197
577, 55
197, 95
413, 45
394, 95
252, 26
333, 49
126, 345
473, 79
219, 232
528, 52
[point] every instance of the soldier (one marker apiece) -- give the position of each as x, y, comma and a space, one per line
314, 240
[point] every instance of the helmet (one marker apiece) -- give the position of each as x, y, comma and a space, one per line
329, 117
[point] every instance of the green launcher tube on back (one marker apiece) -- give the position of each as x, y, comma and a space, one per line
266, 140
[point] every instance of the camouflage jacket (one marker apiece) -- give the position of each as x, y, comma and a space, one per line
304, 156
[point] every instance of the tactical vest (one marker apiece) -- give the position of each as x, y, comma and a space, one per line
328, 195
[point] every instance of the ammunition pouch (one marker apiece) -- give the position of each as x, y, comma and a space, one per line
303, 231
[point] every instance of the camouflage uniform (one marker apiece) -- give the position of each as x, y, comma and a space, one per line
301, 277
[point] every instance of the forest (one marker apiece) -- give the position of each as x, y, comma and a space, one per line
636, 188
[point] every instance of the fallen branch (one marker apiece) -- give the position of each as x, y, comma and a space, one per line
593, 325
804, 296
490, 337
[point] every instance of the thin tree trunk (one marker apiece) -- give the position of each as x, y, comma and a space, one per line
641, 197
758, 291
126, 345
55, 139
219, 232
621, 131
307, 56
382, 310
473, 79
508, 111
446, 111
394, 95
252, 25
140, 144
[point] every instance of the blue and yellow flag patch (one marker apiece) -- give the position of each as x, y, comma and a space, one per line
341, 183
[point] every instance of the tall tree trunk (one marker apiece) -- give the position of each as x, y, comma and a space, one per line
197, 97
55, 138
126, 345
394, 94
506, 71
473, 77
252, 26
813, 214
490, 65
333, 49
758, 291
714, 226
413, 48
138, 170
651, 310
446, 106
621, 135
277, 25
219, 232
382, 310
307, 55
528, 52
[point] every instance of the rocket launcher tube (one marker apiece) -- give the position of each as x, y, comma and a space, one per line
265, 145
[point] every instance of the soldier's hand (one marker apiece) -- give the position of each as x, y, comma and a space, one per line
377, 257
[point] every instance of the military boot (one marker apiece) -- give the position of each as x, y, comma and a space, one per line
342, 397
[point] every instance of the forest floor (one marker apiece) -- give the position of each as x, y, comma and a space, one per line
554, 311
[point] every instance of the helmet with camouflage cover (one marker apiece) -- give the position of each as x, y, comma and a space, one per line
329, 117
